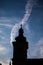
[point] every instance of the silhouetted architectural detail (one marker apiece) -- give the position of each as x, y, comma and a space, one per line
20, 49
10, 63
0, 64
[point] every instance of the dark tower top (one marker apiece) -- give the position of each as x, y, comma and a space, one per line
20, 49
21, 31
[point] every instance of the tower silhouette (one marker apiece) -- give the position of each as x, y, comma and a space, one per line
20, 49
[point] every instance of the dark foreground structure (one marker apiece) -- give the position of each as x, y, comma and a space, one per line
20, 51
0, 64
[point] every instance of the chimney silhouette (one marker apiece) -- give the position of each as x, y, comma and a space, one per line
20, 49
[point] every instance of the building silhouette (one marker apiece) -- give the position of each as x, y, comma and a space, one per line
20, 51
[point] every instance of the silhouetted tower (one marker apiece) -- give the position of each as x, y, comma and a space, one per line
20, 49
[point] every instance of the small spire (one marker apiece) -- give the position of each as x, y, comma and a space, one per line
21, 25
21, 30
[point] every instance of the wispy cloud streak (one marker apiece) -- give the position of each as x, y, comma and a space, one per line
28, 9
37, 49
7, 25
5, 63
3, 50
8, 19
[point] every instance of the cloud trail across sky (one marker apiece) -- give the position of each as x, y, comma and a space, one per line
28, 9
7, 25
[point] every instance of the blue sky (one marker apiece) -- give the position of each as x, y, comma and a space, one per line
11, 13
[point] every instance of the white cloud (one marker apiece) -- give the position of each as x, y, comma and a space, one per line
3, 38
2, 63
3, 50
28, 9
14, 32
4, 19
8, 19
5, 63
1, 31
27, 27
7, 22
40, 45
41, 51
7, 25
37, 49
